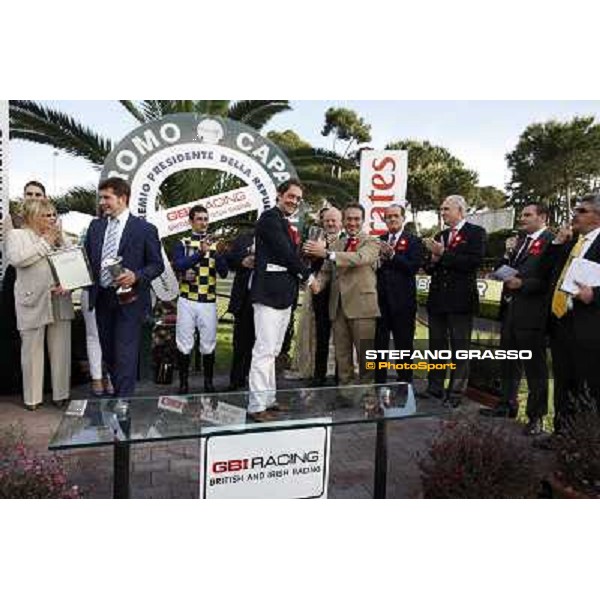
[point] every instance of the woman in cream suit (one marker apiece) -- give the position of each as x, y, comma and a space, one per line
40, 305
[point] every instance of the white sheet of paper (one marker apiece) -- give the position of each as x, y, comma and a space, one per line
583, 271
504, 272
71, 268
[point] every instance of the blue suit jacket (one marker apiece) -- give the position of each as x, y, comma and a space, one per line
396, 278
140, 249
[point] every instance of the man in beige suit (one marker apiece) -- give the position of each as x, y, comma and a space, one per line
353, 308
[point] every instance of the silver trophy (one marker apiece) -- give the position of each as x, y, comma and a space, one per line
316, 233
114, 266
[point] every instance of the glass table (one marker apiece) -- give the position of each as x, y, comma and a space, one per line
143, 420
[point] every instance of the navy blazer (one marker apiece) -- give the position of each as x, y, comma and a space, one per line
586, 317
140, 249
453, 287
239, 288
396, 277
278, 269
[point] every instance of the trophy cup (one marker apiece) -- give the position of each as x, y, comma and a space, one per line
125, 295
315, 234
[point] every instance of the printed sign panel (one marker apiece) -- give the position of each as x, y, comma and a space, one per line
291, 463
383, 177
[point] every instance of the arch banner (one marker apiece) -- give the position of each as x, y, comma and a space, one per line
156, 150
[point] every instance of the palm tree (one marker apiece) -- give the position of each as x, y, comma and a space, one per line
31, 121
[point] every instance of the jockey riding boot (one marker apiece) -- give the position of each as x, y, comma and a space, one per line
208, 366
183, 364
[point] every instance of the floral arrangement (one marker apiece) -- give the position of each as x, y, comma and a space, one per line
25, 473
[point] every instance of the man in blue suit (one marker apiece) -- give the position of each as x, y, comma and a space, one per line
136, 242
401, 256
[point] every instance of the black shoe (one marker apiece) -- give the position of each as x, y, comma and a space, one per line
61, 403
502, 411
427, 394
318, 382
534, 427
545, 442
453, 401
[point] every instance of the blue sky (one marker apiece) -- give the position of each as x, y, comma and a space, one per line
480, 133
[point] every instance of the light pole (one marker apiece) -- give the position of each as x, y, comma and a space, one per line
54, 156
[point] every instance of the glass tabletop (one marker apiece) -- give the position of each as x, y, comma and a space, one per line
100, 422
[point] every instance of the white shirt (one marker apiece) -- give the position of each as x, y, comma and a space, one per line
589, 238
121, 219
395, 237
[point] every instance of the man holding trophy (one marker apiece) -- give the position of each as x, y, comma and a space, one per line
197, 263
125, 256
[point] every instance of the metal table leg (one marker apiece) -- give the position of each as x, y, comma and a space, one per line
380, 485
121, 464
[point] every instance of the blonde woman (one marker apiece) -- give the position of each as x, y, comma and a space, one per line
41, 306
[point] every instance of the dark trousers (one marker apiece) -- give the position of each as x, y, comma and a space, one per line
243, 342
453, 330
536, 369
576, 371
119, 330
401, 324
323, 332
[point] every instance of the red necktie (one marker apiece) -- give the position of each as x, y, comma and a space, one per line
351, 244
452, 236
293, 233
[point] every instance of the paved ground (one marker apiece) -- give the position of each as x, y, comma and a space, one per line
170, 470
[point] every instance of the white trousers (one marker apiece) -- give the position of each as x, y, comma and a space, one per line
193, 315
94, 351
32, 361
270, 325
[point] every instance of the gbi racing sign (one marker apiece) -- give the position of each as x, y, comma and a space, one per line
290, 463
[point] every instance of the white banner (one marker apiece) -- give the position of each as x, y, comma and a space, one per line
221, 206
290, 463
4, 198
383, 178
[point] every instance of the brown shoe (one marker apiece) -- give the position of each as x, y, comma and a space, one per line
275, 407
262, 416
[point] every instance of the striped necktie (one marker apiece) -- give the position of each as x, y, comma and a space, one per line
560, 298
109, 250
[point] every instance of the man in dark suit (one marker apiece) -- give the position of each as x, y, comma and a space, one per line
240, 259
331, 221
456, 254
523, 311
401, 255
575, 318
120, 319
278, 271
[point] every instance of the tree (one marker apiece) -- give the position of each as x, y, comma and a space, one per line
346, 125
554, 162
433, 174
287, 140
488, 196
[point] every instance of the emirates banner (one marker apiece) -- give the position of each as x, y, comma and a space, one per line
383, 177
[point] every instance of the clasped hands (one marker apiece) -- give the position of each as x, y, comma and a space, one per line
436, 249
315, 249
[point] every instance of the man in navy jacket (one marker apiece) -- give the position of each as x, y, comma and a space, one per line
136, 242
278, 272
401, 256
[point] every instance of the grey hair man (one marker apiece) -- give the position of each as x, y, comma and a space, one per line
456, 253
